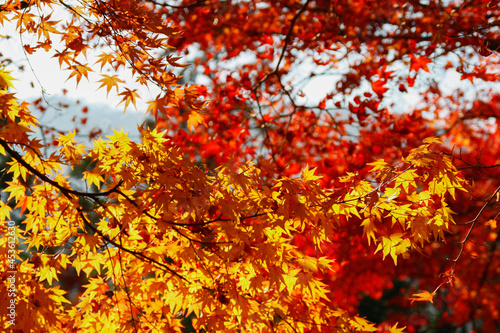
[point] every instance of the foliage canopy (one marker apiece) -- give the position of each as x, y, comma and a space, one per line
252, 205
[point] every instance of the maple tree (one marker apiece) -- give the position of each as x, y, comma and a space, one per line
252, 205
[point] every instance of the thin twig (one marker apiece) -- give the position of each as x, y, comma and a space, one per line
474, 221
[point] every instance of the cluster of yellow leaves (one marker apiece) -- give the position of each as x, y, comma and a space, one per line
164, 238
413, 197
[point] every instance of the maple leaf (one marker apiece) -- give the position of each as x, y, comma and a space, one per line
63, 56
308, 174
5, 79
492, 224
67, 140
423, 296
363, 325
93, 178
110, 81
78, 71
29, 49
129, 96
46, 27
46, 45
379, 87
395, 329
5, 211
194, 119
432, 140
47, 270
369, 229
106, 59
393, 245
157, 105
419, 63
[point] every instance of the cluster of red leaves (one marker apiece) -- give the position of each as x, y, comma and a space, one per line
253, 55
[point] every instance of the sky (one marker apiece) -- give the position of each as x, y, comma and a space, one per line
42, 76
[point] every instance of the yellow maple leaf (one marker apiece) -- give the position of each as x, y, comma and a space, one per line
16, 189
363, 325
79, 71
423, 296
393, 245
308, 174
93, 178
308, 263
5, 79
110, 81
47, 270
119, 136
432, 140
492, 224
68, 139
395, 329
4, 211
369, 229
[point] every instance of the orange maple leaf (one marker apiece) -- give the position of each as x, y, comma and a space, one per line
110, 81
129, 96
492, 224
194, 120
423, 296
379, 87
79, 71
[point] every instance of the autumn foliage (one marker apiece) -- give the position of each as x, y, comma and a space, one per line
313, 166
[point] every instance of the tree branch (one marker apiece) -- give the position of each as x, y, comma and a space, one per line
66, 191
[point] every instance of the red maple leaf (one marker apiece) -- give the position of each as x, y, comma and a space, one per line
419, 63
379, 87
